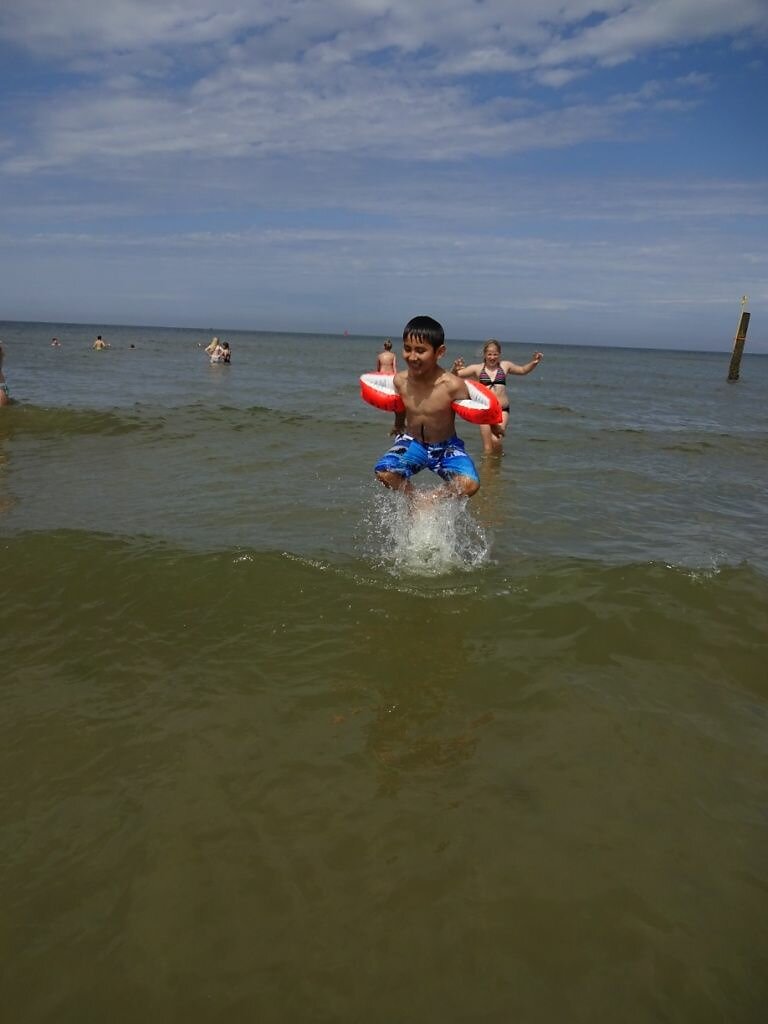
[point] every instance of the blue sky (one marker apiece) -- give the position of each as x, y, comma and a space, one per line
542, 171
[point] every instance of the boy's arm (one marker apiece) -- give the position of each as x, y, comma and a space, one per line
399, 424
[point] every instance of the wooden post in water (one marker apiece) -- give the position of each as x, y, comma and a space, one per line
738, 341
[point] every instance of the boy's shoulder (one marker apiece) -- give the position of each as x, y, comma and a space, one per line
450, 381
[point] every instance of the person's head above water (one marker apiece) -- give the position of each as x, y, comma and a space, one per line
388, 344
424, 328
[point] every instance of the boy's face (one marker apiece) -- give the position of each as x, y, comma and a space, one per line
420, 356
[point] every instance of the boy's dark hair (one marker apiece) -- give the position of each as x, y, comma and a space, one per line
424, 328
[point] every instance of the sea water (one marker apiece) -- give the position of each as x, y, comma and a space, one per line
277, 748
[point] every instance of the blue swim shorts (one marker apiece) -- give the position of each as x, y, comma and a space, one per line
408, 456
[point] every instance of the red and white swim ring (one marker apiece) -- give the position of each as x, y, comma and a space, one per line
378, 389
482, 406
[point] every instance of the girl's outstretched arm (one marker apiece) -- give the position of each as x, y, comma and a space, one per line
460, 370
526, 368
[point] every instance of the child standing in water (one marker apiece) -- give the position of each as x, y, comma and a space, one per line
428, 439
493, 372
385, 361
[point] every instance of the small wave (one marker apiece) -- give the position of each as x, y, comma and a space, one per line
243, 418
39, 421
565, 409
689, 447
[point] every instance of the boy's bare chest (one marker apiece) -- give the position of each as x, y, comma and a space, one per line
429, 400
424, 391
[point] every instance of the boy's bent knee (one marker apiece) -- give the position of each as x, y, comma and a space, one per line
465, 486
395, 481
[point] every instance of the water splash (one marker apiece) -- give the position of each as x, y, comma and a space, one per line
424, 538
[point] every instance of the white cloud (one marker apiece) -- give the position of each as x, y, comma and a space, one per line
449, 207
558, 77
480, 36
74, 27
642, 25
289, 109
294, 76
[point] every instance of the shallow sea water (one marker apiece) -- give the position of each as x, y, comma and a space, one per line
274, 750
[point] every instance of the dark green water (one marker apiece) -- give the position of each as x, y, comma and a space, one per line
271, 753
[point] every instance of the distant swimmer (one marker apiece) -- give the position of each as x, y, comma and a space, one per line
99, 343
55, 343
386, 361
493, 372
5, 398
220, 353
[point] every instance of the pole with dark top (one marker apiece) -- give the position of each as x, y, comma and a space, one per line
738, 341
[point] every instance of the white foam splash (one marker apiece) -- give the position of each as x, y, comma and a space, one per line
425, 538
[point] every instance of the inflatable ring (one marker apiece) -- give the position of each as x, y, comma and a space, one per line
482, 406
378, 389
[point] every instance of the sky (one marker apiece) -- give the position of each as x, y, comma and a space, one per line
540, 171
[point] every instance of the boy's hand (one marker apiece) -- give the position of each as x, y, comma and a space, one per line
497, 429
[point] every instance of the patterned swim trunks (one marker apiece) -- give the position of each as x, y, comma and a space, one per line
408, 456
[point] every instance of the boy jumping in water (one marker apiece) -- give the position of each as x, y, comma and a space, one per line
427, 435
